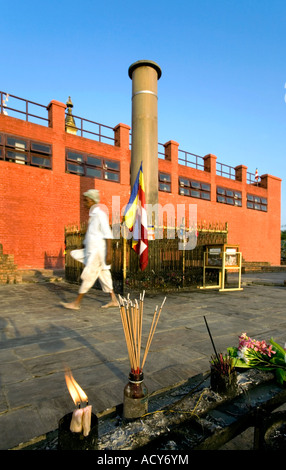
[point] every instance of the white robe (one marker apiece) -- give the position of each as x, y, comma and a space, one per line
94, 252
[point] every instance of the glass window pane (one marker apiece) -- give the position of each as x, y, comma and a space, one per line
237, 195
250, 205
263, 208
249, 197
206, 187
256, 199
257, 207
16, 155
229, 200
110, 165
94, 161
220, 199
111, 176
41, 161
93, 172
237, 202
195, 184
75, 169
220, 191
184, 191
77, 157
40, 148
16, 143
164, 177
195, 193
184, 182
229, 193
164, 187
263, 201
206, 196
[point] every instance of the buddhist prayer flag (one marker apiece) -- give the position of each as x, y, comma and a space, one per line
136, 219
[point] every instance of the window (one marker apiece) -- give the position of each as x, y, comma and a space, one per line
192, 188
165, 182
256, 203
92, 166
41, 155
228, 196
25, 152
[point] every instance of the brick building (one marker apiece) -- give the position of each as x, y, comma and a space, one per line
45, 167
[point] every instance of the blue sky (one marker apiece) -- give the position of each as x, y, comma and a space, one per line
223, 84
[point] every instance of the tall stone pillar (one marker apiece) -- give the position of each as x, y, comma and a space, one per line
145, 75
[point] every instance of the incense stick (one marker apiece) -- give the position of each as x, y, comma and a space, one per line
132, 321
211, 337
152, 331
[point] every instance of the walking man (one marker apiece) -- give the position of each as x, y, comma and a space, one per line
96, 254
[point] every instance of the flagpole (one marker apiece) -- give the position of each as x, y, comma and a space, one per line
135, 218
124, 259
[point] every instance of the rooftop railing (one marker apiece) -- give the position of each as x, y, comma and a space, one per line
30, 111
92, 129
191, 160
161, 154
225, 170
14, 106
251, 178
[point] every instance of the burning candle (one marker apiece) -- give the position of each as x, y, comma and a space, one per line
81, 417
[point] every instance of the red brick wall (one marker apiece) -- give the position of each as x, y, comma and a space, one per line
36, 204
257, 233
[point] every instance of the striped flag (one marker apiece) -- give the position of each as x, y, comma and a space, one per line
136, 219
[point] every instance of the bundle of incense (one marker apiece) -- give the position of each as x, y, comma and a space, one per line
132, 318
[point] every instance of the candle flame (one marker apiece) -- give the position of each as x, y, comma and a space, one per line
76, 392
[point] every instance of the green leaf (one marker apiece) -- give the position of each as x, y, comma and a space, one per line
237, 361
278, 348
270, 368
277, 360
242, 364
281, 376
232, 351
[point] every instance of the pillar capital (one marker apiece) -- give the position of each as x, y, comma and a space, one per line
241, 173
121, 135
56, 111
210, 163
171, 151
146, 63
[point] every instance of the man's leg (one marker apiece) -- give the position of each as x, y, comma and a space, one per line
75, 305
113, 301
105, 280
88, 277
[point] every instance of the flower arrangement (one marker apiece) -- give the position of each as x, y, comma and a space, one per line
260, 355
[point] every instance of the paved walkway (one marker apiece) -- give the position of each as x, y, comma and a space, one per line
39, 338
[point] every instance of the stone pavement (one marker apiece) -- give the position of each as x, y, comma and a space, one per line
39, 338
